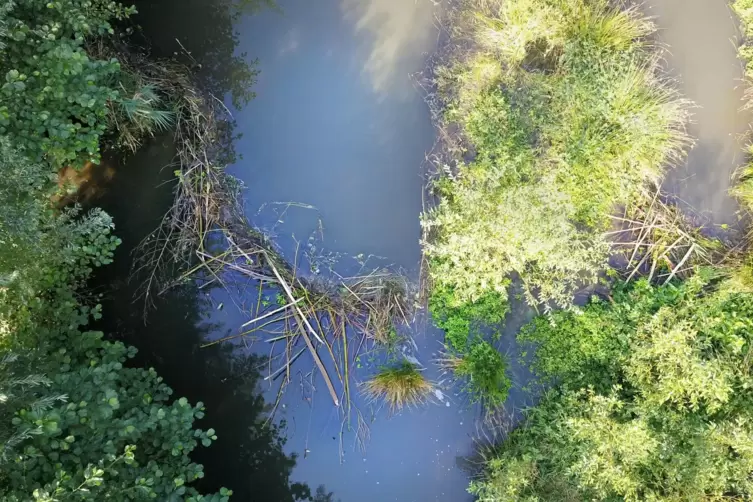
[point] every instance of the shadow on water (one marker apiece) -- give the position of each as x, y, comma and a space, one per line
701, 39
248, 456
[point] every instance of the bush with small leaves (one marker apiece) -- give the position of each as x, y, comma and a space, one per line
650, 400
88, 427
53, 102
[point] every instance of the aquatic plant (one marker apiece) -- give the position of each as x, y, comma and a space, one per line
561, 109
483, 371
206, 236
385, 296
139, 114
399, 386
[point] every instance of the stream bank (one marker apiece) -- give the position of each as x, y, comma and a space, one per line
315, 96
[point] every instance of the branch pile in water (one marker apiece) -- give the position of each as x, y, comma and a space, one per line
206, 235
655, 240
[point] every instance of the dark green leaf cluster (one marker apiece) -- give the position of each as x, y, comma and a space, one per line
485, 372
473, 359
462, 322
53, 102
79, 423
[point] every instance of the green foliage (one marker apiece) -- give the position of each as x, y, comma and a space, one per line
17, 387
744, 10
53, 103
83, 426
485, 372
566, 120
586, 348
464, 321
118, 436
469, 356
140, 115
657, 408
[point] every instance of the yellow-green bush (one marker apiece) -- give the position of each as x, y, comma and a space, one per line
566, 118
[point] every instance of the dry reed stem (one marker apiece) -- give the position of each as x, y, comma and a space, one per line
206, 237
652, 235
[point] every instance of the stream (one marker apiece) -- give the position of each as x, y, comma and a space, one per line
332, 154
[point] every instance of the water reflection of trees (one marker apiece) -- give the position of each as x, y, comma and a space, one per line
248, 456
204, 28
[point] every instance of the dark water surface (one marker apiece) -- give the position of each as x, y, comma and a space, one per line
337, 126
337, 123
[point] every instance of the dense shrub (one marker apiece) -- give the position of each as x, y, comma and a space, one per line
53, 103
652, 401
83, 426
565, 119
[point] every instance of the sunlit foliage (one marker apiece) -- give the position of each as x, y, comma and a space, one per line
651, 401
564, 118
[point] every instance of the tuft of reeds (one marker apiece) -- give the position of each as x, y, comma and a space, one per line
399, 387
656, 241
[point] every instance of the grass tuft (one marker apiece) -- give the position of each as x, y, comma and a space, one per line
482, 371
399, 387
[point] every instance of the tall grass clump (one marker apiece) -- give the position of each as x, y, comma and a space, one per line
400, 386
553, 114
482, 371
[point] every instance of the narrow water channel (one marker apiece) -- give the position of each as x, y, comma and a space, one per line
339, 126
339, 130
700, 40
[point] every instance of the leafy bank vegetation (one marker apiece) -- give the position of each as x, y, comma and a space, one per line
79, 423
647, 391
744, 10
652, 400
553, 115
